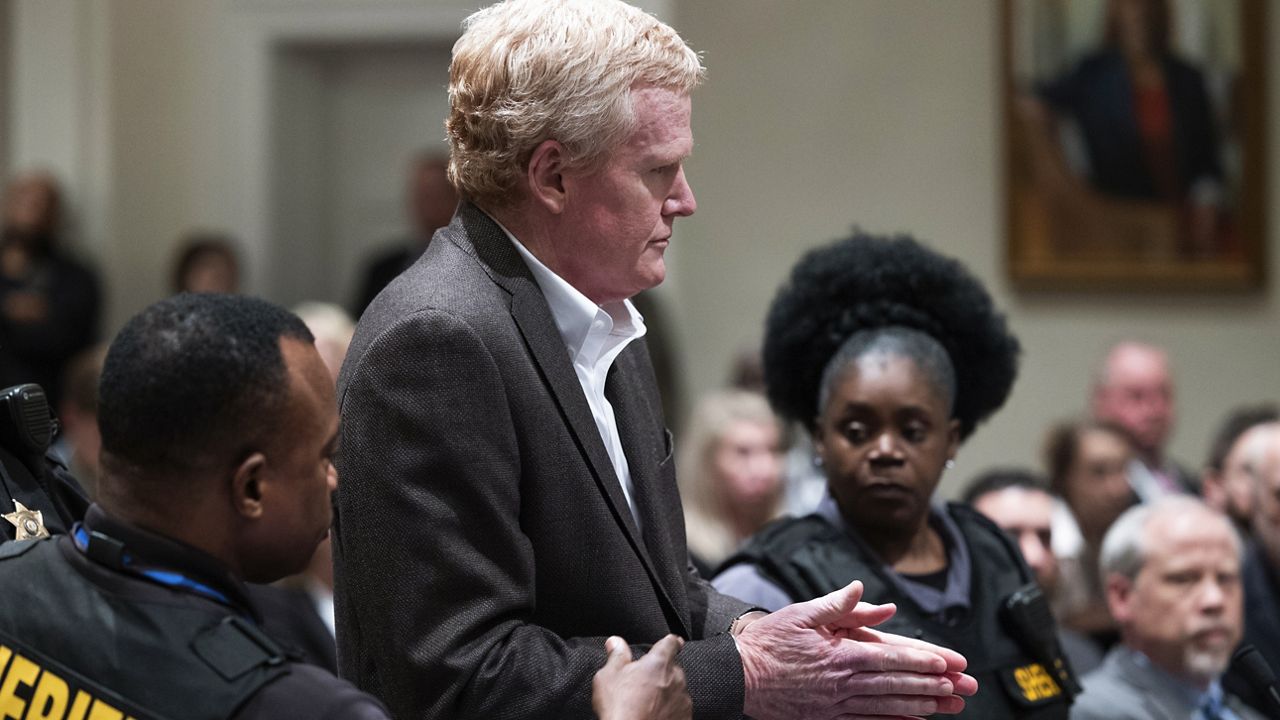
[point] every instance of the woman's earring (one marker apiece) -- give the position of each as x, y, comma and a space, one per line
950, 463
817, 461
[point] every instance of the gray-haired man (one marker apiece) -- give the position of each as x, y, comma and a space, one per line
1172, 571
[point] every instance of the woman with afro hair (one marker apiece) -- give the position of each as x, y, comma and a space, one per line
891, 354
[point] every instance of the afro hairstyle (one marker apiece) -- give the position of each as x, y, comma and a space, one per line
865, 282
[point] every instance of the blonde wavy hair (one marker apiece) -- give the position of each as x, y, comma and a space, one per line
707, 528
525, 71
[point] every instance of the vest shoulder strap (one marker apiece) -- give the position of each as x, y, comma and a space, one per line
233, 647
15, 548
775, 549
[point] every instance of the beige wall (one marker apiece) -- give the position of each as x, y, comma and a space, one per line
818, 115
165, 142
121, 100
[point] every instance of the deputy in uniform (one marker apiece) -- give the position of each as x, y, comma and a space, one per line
218, 424
38, 495
891, 354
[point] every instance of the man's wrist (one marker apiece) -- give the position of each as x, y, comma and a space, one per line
741, 622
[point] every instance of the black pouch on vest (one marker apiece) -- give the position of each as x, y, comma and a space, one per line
1030, 621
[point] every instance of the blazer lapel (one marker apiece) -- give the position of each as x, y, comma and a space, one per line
649, 491
543, 338
477, 234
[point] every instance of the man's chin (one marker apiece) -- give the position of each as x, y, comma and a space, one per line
1207, 661
654, 274
1151, 441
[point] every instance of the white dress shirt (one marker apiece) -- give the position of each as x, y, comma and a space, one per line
594, 335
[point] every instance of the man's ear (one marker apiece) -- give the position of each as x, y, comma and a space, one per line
1120, 597
1212, 490
246, 486
545, 176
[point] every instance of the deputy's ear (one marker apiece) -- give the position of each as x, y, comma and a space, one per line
246, 485
545, 176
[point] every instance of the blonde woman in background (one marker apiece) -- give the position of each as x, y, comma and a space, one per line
333, 329
1088, 465
730, 474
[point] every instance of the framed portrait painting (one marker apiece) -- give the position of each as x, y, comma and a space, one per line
1134, 143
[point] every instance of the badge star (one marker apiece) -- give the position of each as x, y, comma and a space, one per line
30, 523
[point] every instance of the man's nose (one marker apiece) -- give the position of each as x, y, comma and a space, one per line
1213, 597
681, 201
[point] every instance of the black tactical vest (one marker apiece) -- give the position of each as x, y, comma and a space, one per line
72, 650
49, 489
808, 557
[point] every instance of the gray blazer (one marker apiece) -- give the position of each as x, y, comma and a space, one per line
483, 548
1126, 689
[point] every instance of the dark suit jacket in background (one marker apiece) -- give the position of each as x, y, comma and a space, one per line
1261, 620
1098, 94
483, 547
382, 269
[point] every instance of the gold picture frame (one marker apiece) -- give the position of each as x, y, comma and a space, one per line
1135, 149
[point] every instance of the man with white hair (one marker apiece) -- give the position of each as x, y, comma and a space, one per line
1172, 571
1134, 390
508, 494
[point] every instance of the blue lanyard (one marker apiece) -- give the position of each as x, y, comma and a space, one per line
168, 578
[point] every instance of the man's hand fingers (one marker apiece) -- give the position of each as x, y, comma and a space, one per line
896, 684
877, 718
865, 615
954, 704
888, 705
965, 685
829, 608
886, 658
955, 661
619, 652
898, 707
665, 651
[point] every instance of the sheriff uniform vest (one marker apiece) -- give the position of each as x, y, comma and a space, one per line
71, 650
50, 490
808, 557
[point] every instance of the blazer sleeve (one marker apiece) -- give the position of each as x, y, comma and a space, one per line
435, 577
712, 610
